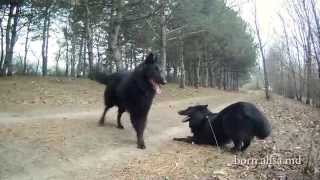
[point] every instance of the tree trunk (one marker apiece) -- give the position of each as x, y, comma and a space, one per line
206, 75
1, 48
99, 59
80, 63
210, 74
300, 89
10, 41
265, 72
197, 70
89, 40
132, 57
181, 58
84, 58
73, 57
163, 54
308, 69
116, 49
315, 49
237, 80
38, 64
116, 19
225, 78
45, 38
26, 48
289, 56
57, 61
206, 66
317, 21
67, 59
308, 53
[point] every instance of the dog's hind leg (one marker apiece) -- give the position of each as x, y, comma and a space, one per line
101, 121
139, 124
246, 144
237, 145
120, 112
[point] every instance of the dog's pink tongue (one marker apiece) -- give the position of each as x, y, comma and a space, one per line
156, 87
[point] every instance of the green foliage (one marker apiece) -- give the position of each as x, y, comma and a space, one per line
230, 44
224, 40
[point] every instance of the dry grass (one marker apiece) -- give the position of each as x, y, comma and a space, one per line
293, 124
24, 93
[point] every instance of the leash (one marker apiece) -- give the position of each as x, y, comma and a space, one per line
214, 135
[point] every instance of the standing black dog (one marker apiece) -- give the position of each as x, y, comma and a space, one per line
133, 92
239, 122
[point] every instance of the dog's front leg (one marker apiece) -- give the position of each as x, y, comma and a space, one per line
139, 124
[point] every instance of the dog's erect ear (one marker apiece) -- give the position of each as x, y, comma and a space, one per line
150, 59
202, 107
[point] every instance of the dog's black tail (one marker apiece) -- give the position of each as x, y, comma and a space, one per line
262, 126
100, 77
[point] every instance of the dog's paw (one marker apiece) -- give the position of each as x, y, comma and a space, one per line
120, 127
235, 151
141, 146
101, 123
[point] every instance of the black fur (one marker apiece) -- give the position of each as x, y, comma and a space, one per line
239, 122
132, 92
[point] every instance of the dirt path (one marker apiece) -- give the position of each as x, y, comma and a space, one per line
72, 146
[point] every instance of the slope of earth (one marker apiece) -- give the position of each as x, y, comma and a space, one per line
48, 130
291, 153
48, 127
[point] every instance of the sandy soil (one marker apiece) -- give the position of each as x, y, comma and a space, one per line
52, 140
292, 150
48, 130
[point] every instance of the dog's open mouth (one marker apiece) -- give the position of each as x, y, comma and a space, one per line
155, 86
186, 119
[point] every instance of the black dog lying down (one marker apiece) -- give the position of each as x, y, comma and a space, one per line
239, 122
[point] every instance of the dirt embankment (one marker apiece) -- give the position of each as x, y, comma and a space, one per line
48, 130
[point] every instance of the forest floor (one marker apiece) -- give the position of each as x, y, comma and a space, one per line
49, 130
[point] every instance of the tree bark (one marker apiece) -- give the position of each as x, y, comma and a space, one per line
206, 67
265, 72
163, 54
181, 59
197, 70
224, 78
308, 69
10, 41
115, 33
45, 39
89, 35
1, 48
67, 59
317, 21
210, 76
99, 59
308, 53
73, 57
84, 58
80, 63
288, 51
26, 49
57, 61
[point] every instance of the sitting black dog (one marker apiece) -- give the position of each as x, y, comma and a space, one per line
239, 122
